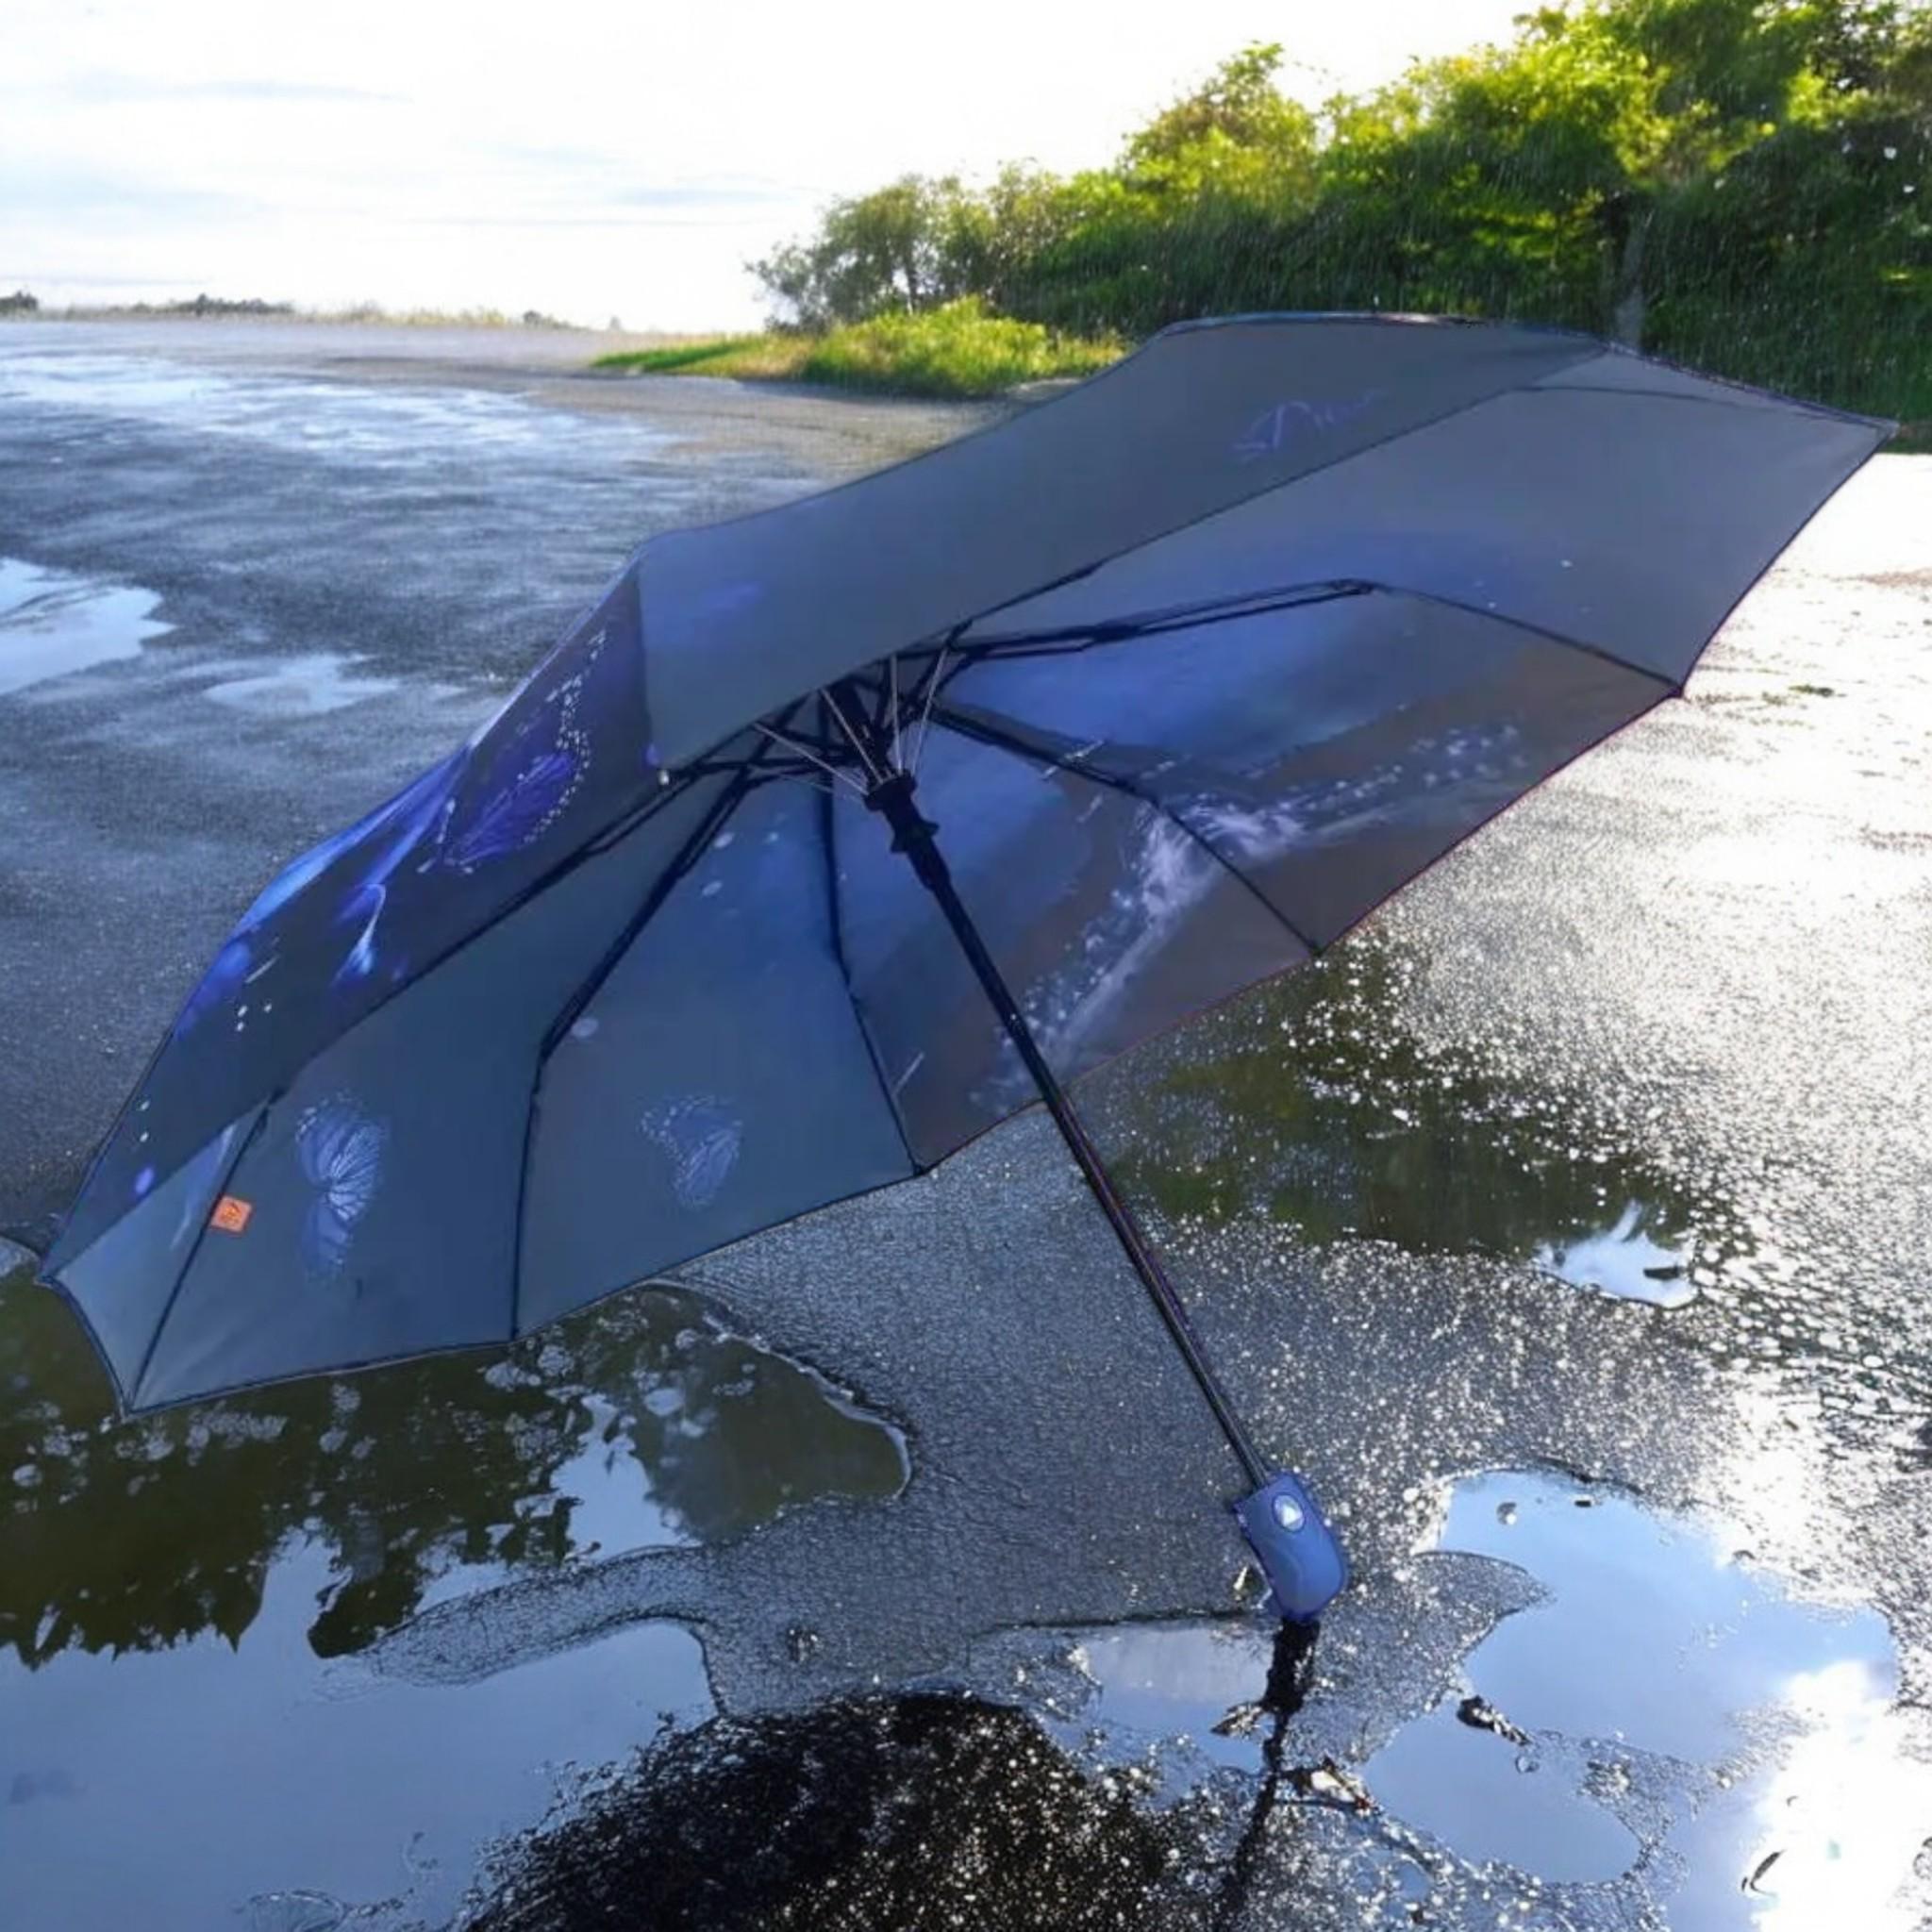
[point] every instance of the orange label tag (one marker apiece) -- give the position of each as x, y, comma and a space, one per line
231, 1214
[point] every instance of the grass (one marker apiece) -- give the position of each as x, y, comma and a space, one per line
771, 356
957, 351
214, 309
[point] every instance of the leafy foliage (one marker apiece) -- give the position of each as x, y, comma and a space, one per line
907, 245
1740, 183
960, 349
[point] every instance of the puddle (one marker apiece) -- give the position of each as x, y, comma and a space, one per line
1662, 1646
640, 1424
1313, 1104
1158, 1680
247, 1778
1623, 1260
1664, 1718
173, 1588
51, 623
304, 686
405, 426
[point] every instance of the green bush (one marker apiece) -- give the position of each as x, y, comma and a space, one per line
960, 350
1745, 185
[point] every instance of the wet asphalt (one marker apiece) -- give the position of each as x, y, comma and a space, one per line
1569, 1226
412, 510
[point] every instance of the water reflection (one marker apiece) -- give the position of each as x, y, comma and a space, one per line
202, 1787
1665, 1727
1624, 1260
53, 623
1669, 1690
641, 1421
916, 1811
1829, 1832
307, 686
1315, 1103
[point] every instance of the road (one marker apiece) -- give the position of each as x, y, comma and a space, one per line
1568, 1226
357, 540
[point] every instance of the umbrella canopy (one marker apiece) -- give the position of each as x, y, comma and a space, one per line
1193, 666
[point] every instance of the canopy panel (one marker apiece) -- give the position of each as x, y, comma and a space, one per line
1196, 666
717, 1081
1628, 517
1204, 418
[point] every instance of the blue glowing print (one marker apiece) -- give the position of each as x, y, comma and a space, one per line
701, 1138
515, 815
531, 783
340, 1150
1275, 429
411, 811
224, 979
404, 825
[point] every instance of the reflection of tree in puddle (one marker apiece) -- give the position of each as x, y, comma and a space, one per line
883, 1812
1315, 1102
642, 1419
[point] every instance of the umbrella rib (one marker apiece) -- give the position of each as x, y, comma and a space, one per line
811, 757
1117, 630
681, 863
1589, 348
1536, 630
1589, 351
936, 676
970, 727
828, 808
1075, 638
244, 1141
1672, 395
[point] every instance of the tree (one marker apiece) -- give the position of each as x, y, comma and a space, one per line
1532, 177
1740, 182
899, 247
1236, 130
1194, 217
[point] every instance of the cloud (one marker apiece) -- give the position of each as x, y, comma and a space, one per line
706, 194
540, 222
609, 169
108, 87
46, 189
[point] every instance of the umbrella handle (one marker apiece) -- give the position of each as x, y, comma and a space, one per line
1297, 1551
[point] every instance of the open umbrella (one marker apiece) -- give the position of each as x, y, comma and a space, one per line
832, 835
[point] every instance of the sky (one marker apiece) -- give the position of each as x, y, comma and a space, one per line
591, 160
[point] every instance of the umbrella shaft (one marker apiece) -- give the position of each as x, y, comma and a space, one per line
913, 836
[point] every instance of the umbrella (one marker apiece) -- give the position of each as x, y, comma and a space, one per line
829, 837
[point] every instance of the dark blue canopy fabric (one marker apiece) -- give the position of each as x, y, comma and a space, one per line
1194, 665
